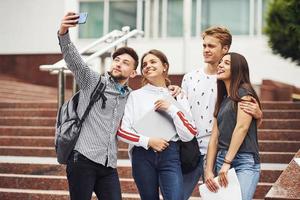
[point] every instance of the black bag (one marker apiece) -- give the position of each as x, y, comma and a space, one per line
68, 124
189, 155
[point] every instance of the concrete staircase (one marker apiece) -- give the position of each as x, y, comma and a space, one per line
28, 167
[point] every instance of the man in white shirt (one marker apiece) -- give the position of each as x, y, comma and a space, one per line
201, 88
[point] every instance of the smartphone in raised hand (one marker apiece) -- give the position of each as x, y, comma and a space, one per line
82, 17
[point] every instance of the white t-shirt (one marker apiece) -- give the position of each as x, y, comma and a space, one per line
201, 91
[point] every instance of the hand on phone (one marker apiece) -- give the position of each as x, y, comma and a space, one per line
68, 21
71, 19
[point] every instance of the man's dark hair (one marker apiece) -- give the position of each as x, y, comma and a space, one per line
129, 51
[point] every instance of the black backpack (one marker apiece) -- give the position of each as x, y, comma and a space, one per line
68, 123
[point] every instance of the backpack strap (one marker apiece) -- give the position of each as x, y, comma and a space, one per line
97, 93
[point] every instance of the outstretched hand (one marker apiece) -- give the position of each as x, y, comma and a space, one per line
68, 21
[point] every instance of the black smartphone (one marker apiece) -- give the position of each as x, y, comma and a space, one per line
82, 17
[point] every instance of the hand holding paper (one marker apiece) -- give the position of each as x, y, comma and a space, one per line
231, 192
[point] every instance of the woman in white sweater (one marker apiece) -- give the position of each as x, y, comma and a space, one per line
155, 161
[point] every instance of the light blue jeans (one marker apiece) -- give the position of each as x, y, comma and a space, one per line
247, 171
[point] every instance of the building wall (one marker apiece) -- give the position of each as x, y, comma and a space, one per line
30, 28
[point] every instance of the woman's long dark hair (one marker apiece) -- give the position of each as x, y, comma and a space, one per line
239, 78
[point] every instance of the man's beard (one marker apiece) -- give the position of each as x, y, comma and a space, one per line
118, 77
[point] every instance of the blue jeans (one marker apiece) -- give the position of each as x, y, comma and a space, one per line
247, 171
85, 176
153, 170
190, 180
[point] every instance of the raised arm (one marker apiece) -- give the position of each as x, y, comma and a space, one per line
83, 74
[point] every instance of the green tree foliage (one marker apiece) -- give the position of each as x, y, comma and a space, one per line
283, 28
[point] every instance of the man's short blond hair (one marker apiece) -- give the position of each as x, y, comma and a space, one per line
221, 33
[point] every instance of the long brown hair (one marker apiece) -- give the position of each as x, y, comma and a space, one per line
239, 78
164, 60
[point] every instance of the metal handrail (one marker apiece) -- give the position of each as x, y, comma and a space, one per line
61, 64
61, 70
115, 43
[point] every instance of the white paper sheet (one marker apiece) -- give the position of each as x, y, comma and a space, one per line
231, 192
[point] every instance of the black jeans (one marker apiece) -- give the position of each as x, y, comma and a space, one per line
85, 176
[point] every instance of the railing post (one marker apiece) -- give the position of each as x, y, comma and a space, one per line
125, 30
61, 87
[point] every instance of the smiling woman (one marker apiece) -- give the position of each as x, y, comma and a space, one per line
156, 155
223, 72
156, 62
233, 143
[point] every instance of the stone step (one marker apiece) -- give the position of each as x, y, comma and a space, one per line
279, 146
40, 112
280, 105
28, 112
37, 182
27, 151
21, 171
280, 124
50, 182
21, 95
26, 87
49, 104
56, 169
23, 194
268, 175
27, 194
263, 134
281, 114
36, 141
27, 131
50, 121
278, 134
52, 104
46, 141
267, 114
27, 121
276, 157
267, 157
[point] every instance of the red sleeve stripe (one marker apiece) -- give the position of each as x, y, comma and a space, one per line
128, 136
186, 123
